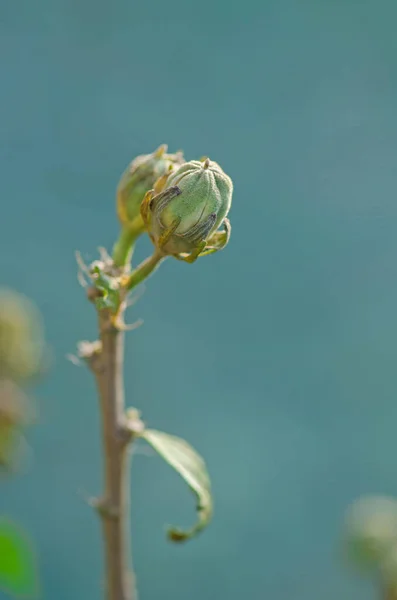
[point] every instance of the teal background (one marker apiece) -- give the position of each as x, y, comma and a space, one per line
277, 357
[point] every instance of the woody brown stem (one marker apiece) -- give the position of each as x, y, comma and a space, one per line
114, 507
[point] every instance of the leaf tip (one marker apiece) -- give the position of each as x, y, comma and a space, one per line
177, 536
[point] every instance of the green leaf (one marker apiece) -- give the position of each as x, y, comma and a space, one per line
109, 287
185, 460
18, 573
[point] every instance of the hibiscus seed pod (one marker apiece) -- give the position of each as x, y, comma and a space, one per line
139, 177
197, 200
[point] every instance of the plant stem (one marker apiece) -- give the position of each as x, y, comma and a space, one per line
146, 268
124, 247
114, 507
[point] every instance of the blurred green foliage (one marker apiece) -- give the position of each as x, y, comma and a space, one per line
18, 569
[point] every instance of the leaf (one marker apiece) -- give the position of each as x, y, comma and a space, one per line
18, 574
109, 288
185, 460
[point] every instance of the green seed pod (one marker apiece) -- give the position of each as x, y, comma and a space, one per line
21, 337
371, 531
197, 200
139, 177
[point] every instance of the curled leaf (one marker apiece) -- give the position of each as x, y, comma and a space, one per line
185, 460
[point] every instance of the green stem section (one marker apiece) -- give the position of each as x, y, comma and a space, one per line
146, 268
124, 247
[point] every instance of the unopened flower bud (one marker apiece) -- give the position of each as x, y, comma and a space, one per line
197, 199
21, 337
139, 177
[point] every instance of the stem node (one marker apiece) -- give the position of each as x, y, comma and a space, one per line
114, 507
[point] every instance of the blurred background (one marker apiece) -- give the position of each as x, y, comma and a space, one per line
275, 358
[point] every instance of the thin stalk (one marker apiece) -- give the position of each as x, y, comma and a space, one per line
114, 507
146, 268
124, 247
